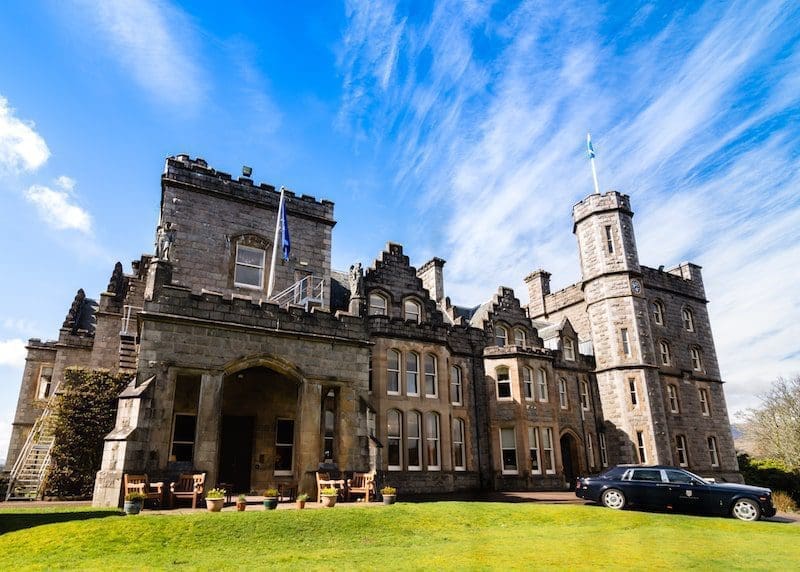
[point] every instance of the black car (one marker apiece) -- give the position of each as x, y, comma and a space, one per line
672, 488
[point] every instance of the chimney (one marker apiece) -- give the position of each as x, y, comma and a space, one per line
432, 278
538, 283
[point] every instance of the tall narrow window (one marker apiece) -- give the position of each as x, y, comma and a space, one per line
680, 445
394, 434
520, 338
393, 372
413, 441
328, 426
563, 399
369, 386
603, 451
456, 397
609, 240
500, 336
626, 346
412, 374
590, 451
569, 349
527, 383
640, 447
658, 313
541, 381
508, 449
432, 436
45, 383
705, 409
249, 270
183, 433
284, 447
377, 305
666, 355
712, 451
503, 383
672, 395
548, 455
459, 452
697, 360
412, 311
632, 391
533, 446
584, 395
688, 319
431, 381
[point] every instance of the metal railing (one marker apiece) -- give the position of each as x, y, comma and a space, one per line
306, 292
35, 436
128, 312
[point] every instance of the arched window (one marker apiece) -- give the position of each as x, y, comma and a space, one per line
697, 359
412, 374
520, 339
541, 382
378, 305
503, 383
433, 452
688, 319
658, 313
413, 444
431, 379
563, 399
584, 395
459, 451
527, 383
394, 433
672, 395
666, 354
249, 267
456, 389
393, 372
500, 336
569, 349
412, 311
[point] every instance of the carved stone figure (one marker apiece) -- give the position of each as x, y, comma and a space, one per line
116, 284
73, 319
356, 281
165, 238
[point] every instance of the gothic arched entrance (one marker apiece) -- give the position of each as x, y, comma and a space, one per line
570, 459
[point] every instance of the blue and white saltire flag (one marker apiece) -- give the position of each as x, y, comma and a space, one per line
589, 148
285, 240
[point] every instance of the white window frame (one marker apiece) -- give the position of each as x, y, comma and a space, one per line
658, 313
431, 377
569, 349
585, 395
713, 451
505, 371
641, 448
44, 384
459, 443
412, 375
705, 406
601, 437
633, 392
390, 371
544, 394
609, 239
672, 397
548, 449
504, 447
590, 451
534, 451
527, 383
236, 264
411, 438
378, 309
688, 319
520, 338
500, 336
666, 353
415, 315
626, 343
563, 396
680, 446
697, 359
290, 471
456, 386
396, 438
433, 441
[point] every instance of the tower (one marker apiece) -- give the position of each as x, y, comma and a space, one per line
627, 375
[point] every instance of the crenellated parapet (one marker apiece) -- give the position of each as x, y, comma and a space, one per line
595, 203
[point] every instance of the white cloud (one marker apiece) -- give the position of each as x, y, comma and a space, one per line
21, 147
18, 324
12, 353
153, 41
57, 208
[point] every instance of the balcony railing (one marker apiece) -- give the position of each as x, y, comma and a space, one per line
310, 291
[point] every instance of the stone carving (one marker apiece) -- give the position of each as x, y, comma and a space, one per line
165, 237
356, 281
75, 312
116, 284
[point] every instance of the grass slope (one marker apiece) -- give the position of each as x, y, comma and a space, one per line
446, 535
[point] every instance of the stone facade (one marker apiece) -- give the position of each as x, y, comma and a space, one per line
377, 369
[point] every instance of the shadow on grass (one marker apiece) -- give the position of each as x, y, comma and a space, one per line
9, 522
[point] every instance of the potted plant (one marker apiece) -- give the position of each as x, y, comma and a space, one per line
215, 500
241, 503
134, 502
301, 500
389, 495
329, 496
271, 499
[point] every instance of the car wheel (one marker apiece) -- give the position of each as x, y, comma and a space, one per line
613, 498
746, 509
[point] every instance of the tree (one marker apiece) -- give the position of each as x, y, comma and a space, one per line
774, 427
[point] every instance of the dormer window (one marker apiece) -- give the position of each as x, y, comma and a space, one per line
520, 338
688, 320
569, 349
377, 305
249, 272
500, 336
412, 311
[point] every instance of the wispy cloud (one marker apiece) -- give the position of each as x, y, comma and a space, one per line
693, 113
153, 40
57, 206
21, 147
12, 353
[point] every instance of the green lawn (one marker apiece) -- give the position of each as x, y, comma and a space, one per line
431, 536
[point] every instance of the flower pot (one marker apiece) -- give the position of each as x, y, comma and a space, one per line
215, 505
328, 501
389, 499
301, 504
133, 507
270, 503
240, 506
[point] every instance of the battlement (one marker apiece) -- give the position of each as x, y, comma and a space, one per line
594, 203
195, 173
685, 278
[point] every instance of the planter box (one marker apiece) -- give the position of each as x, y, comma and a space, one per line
215, 505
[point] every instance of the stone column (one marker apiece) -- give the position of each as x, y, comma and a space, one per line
209, 417
307, 435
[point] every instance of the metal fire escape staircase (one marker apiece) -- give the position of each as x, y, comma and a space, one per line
307, 292
27, 475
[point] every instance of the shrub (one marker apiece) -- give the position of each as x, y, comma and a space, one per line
271, 492
302, 497
135, 497
215, 494
770, 473
388, 491
329, 492
783, 502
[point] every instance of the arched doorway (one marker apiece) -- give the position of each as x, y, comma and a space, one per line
257, 430
570, 459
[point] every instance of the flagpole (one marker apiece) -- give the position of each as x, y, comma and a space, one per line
278, 223
591, 160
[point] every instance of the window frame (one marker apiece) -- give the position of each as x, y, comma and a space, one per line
456, 385
394, 441
641, 448
713, 450
49, 384
696, 355
290, 471
609, 239
541, 382
633, 392
666, 352
705, 403
433, 441
390, 371
503, 448
459, 436
682, 450
549, 452
672, 398
500, 335
503, 370
590, 451
174, 441
412, 374
687, 318
601, 438
658, 312
415, 317
534, 451
376, 309
626, 342
528, 391
569, 349
520, 338
563, 395
411, 438
584, 397
261, 268
431, 377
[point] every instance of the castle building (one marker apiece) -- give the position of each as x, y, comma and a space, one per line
377, 369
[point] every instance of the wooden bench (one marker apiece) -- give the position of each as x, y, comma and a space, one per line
141, 484
325, 481
187, 487
361, 484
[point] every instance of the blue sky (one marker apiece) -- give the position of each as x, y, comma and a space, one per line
454, 128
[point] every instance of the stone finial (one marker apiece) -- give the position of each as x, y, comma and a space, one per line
116, 285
